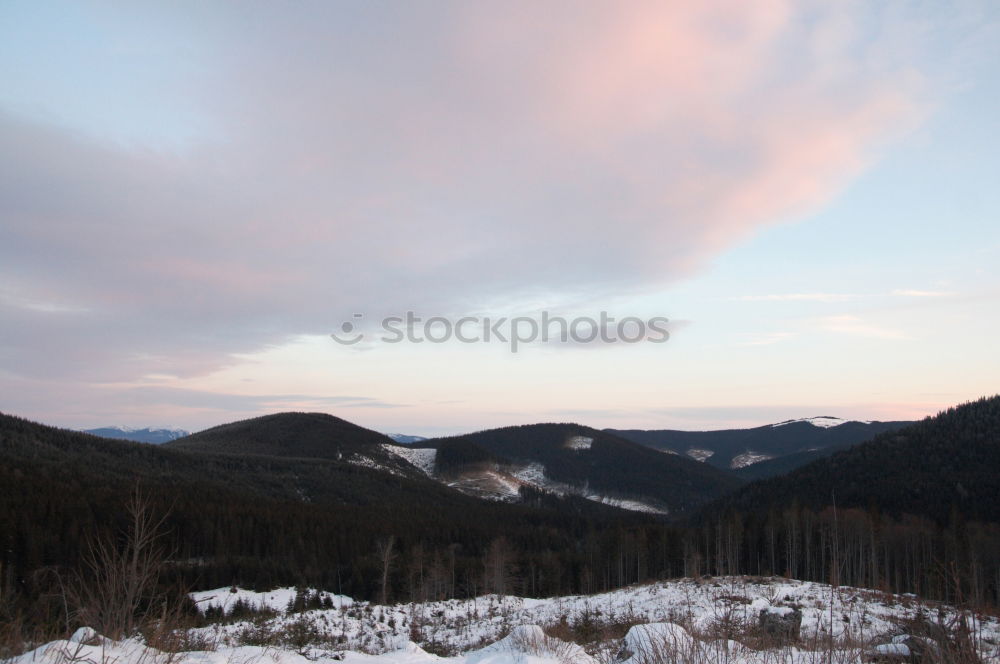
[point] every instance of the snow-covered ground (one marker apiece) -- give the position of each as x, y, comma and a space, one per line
626, 504
699, 454
274, 600
533, 475
366, 461
524, 645
504, 482
701, 606
691, 621
748, 458
422, 458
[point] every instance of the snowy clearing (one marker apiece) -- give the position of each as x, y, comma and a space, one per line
748, 458
700, 606
504, 484
699, 454
422, 458
691, 621
579, 442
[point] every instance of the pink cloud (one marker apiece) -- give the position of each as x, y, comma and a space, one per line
440, 159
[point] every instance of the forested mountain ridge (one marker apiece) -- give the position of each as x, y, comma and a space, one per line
264, 521
941, 466
39, 447
734, 449
290, 434
575, 458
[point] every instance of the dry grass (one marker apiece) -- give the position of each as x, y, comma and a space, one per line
593, 631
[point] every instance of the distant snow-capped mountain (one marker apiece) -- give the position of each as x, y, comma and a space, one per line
822, 421
143, 435
405, 439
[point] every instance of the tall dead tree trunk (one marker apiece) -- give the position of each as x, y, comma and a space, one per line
386, 556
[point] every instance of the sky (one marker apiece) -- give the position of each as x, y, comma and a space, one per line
195, 196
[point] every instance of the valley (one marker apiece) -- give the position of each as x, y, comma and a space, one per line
457, 543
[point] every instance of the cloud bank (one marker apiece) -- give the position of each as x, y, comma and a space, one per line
379, 158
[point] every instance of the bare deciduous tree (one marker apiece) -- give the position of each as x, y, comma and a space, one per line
115, 592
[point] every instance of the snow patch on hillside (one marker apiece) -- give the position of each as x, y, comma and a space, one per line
748, 458
504, 484
699, 454
364, 461
534, 474
627, 504
491, 484
579, 442
422, 458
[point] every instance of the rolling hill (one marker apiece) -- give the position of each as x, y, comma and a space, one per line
302, 435
238, 516
944, 465
735, 449
574, 459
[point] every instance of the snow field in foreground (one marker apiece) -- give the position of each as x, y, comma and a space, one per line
461, 625
682, 620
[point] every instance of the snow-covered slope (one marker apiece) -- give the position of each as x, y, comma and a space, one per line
505, 482
422, 458
699, 454
748, 458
